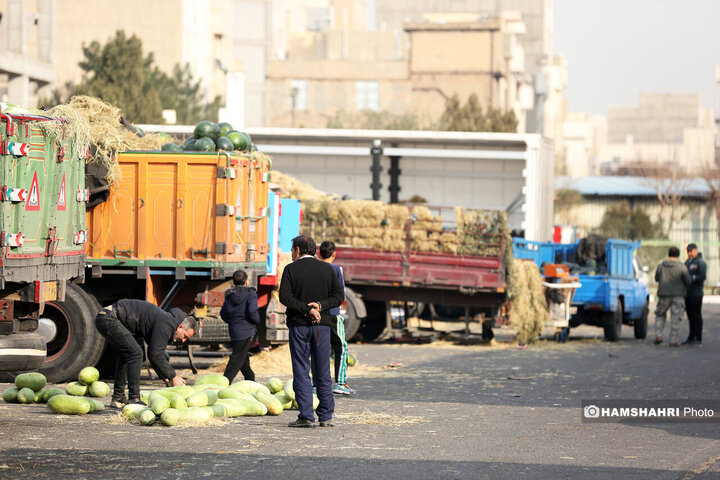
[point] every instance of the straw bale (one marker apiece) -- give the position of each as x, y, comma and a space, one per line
449, 248
95, 124
422, 213
294, 187
528, 307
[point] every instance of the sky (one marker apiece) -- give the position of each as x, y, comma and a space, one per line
617, 49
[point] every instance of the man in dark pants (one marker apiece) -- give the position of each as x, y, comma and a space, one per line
693, 302
309, 289
125, 325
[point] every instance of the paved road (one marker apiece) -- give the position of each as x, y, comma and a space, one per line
448, 412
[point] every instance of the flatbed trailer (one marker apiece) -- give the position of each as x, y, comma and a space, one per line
375, 278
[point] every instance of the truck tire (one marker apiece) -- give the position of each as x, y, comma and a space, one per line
351, 315
642, 322
612, 324
76, 343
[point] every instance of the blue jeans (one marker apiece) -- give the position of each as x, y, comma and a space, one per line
310, 350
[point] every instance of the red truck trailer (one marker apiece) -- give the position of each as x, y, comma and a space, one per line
374, 278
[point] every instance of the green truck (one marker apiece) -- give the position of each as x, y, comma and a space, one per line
42, 234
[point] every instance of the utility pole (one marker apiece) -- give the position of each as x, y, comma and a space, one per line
376, 168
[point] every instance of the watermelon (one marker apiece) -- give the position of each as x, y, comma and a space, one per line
39, 396
95, 405
146, 417
170, 417
10, 395
213, 379
206, 128
189, 145
172, 147
26, 395
194, 415
274, 406
205, 144
178, 401
69, 405
274, 385
249, 386
351, 360
284, 400
224, 129
219, 410
288, 389
76, 388
183, 390
316, 403
88, 375
240, 140
202, 399
236, 394
159, 404
35, 381
224, 143
98, 389
237, 408
131, 409
51, 392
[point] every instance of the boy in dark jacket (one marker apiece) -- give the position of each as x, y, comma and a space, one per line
240, 312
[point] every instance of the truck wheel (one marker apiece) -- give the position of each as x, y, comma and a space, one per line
74, 341
613, 324
641, 323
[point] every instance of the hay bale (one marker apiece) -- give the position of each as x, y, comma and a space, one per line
528, 307
96, 125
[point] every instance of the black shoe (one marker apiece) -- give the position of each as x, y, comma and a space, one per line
687, 342
135, 401
695, 342
117, 403
657, 341
302, 423
326, 423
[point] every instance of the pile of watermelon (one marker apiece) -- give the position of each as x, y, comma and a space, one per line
30, 388
214, 137
212, 396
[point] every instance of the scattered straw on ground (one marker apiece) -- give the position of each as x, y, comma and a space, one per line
370, 418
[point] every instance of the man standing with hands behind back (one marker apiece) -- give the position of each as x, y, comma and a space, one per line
309, 289
693, 302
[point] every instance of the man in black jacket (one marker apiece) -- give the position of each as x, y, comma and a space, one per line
309, 289
125, 325
693, 302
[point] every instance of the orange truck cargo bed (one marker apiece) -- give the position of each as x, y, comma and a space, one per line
194, 209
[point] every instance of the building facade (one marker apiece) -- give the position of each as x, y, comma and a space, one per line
27, 50
177, 32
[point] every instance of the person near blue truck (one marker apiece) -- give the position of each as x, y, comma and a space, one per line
693, 302
673, 279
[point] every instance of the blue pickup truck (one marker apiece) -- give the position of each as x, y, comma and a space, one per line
612, 291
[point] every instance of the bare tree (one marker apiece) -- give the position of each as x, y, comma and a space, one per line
670, 184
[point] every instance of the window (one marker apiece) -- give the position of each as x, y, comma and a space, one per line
367, 95
298, 94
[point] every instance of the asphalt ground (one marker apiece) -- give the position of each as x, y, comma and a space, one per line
446, 411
